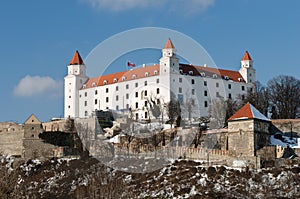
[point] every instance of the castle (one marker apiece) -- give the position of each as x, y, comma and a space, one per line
139, 88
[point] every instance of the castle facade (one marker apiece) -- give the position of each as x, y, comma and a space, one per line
135, 91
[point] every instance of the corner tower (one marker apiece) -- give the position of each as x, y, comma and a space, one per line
73, 83
247, 71
169, 63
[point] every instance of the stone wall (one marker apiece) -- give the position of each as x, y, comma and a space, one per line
11, 135
286, 126
241, 138
245, 137
56, 125
33, 146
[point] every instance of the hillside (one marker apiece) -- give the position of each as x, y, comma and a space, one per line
88, 178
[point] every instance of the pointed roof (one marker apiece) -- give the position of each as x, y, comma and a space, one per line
32, 119
246, 56
169, 44
248, 111
76, 60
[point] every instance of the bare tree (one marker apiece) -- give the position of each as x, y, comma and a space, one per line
173, 111
284, 95
155, 108
231, 106
258, 97
217, 112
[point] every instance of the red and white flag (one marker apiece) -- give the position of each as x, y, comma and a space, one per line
130, 64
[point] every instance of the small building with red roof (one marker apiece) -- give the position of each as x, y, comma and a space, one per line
248, 131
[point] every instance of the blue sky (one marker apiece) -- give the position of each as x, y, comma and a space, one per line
38, 39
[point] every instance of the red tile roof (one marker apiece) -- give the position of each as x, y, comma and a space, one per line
246, 56
169, 44
128, 75
248, 111
76, 60
210, 72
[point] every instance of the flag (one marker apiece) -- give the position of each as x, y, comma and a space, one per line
130, 64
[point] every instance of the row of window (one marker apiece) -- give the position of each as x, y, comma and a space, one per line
157, 81
205, 83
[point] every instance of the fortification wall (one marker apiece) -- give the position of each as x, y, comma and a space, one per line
57, 125
11, 135
286, 126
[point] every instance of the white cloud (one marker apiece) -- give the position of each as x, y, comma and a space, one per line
121, 5
35, 86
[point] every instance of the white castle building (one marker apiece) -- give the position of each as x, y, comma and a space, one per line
138, 88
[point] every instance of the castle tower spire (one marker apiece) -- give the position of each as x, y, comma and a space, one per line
247, 71
76, 60
169, 44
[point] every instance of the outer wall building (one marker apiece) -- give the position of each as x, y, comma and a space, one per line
137, 88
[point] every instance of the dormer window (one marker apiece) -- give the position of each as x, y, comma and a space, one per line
202, 74
105, 82
155, 72
191, 72
84, 86
123, 78
240, 79
93, 84
133, 76
146, 74
181, 71
226, 77
115, 80
215, 75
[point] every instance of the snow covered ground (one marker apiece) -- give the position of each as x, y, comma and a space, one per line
284, 141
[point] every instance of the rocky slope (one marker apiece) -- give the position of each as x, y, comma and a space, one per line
88, 178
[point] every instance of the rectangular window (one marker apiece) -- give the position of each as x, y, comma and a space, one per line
136, 94
117, 88
146, 115
127, 96
205, 83
136, 105
217, 84
107, 99
157, 101
180, 90
127, 86
205, 104
96, 92
157, 91
229, 86
205, 93
96, 101
146, 103
193, 81
229, 95
145, 83
243, 88
85, 94
136, 84
117, 107
85, 103
145, 93
193, 91
117, 97
127, 106
106, 90
157, 81
217, 94
180, 79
